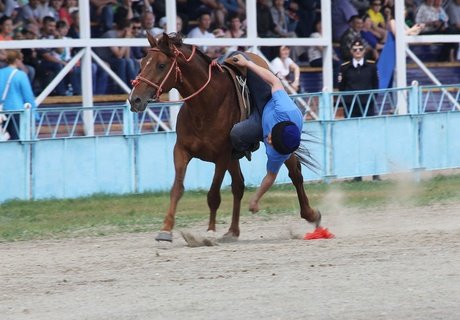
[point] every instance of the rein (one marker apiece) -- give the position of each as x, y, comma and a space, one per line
178, 73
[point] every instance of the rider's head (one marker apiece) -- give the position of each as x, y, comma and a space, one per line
285, 137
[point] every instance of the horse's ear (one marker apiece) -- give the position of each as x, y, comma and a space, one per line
152, 40
165, 40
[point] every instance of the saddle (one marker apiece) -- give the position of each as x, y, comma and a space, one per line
239, 76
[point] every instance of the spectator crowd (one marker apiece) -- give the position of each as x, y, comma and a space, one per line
365, 20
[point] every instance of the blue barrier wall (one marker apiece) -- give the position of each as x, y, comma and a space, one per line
71, 166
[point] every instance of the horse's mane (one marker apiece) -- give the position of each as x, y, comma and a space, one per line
177, 40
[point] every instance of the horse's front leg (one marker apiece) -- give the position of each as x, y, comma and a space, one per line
238, 192
181, 160
295, 173
214, 198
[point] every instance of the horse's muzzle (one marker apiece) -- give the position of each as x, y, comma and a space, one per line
137, 104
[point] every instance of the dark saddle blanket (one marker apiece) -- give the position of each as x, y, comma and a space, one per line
253, 92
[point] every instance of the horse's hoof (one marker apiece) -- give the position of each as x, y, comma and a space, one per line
318, 219
164, 236
210, 234
228, 237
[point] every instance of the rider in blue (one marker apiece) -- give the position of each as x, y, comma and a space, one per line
278, 123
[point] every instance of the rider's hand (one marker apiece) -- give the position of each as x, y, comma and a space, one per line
253, 206
240, 60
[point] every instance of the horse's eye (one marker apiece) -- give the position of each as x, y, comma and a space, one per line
161, 66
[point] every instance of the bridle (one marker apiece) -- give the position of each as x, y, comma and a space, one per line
178, 74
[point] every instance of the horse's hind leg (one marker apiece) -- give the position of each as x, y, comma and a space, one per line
295, 173
214, 198
181, 160
238, 192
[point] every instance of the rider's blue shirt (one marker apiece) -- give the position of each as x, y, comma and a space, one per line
279, 108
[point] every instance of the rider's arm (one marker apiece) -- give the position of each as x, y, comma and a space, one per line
267, 182
265, 74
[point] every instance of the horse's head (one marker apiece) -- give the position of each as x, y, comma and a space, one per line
159, 71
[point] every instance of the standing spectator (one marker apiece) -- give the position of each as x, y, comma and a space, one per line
148, 24
342, 11
348, 38
358, 74
378, 21
285, 68
19, 91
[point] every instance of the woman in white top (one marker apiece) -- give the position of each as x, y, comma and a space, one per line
285, 68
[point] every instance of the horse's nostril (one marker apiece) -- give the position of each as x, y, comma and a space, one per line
137, 101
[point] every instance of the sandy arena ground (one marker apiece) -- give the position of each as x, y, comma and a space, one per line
400, 263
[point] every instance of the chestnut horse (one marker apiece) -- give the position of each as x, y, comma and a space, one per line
203, 124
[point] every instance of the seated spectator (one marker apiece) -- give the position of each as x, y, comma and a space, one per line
434, 18
137, 53
369, 34
148, 25
201, 31
139, 7
354, 33
30, 13
292, 15
6, 34
235, 30
342, 11
285, 68
119, 57
234, 7
267, 28
101, 15
453, 12
100, 77
280, 18
361, 5
74, 30
31, 32
307, 11
378, 24
44, 9
6, 28
190, 10
315, 53
50, 63
163, 24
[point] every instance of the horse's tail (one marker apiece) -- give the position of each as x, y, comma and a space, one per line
304, 155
